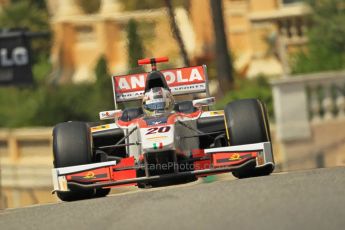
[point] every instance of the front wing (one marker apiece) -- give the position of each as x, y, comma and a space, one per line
205, 162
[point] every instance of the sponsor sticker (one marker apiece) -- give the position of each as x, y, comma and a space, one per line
100, 127
89, 175
180, 81
215, 113
235, 157
157, 138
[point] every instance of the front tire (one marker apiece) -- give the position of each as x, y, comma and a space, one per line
246, 123
72, 146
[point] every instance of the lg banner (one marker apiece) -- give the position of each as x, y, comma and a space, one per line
15, 63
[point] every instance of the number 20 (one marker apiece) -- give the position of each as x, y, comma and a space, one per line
155, 130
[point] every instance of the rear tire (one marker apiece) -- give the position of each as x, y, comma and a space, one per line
247, 123
72, 146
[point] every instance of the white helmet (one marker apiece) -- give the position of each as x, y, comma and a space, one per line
157, 101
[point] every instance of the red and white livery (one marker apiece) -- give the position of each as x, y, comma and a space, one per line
136, 149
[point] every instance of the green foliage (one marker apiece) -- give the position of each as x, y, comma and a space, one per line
250, 88
63, 103
23, 14
316, 59
101, 71
135, 46
326, 47
76, 102
41, 69
103, 89
41, 4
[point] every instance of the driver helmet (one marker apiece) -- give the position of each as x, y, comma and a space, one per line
157, 101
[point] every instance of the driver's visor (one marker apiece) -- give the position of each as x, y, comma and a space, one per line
155, 105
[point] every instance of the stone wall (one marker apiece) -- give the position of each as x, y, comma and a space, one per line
324, 148
310, 119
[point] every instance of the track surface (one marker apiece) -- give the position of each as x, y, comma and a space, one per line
313, 199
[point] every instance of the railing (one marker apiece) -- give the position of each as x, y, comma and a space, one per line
303, 100
26, 157
291, 22
291, 25
326, 98
293, 30
13, 142
25, 166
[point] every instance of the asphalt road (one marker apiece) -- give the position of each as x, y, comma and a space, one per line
312, 199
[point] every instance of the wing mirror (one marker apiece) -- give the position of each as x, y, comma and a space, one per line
111, 114
204, 102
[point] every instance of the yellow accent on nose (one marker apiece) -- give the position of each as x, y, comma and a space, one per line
235, 156
90, 175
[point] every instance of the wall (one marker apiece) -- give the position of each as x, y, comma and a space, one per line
25, 164
310, 119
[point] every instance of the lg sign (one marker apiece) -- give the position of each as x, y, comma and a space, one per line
15, 58
18, 56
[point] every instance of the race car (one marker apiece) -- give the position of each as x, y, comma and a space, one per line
169, 138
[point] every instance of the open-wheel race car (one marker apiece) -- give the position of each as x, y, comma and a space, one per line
164, 141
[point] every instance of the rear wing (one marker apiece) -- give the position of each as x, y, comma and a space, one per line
188, 80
